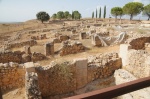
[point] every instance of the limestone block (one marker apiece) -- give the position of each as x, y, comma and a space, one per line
81, 72
49, 49
124, 48
82, 35
29, 66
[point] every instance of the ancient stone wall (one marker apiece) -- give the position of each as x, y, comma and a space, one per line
11, 76
21, 44
139, 42
56, 79
20, 57
69, 76
71, 48
138, 63
31, 85
6, 57
103, 65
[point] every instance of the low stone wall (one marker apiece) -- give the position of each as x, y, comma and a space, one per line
20, 57
71, 48
32, 89
41, 37
11, 76
6, 57
139, 43
40, 30
67, 77
56, 79
21, 44
63, 38
103, 65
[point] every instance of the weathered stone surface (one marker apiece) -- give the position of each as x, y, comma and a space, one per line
69, 47
82, 35
27, 49
31, 86
29, 66
64, 37
56, 78
11, 76
123, 76
49, 49
81, 72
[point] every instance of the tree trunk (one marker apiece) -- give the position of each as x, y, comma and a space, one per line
120, 19
115, 18
131, 17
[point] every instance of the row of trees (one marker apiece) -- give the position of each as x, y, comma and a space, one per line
100, 13
43, 16
131, 9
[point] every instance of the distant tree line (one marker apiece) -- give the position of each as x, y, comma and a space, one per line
132, 9
43, 16
100, 13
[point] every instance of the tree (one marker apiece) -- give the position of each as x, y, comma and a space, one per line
96, 12
66, 14
92, 14
104, 12
76, 15
146, 11
54, 16
100, 12
69, 16
117, 11
60, 15
133, 8
42, 16
72, 15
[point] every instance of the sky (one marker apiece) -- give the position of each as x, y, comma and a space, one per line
23, 10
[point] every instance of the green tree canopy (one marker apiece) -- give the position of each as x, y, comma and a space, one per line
104, 12
100, 12
76, 15
117, 11
133, 8
42, 16
92, 14
96, 12
66, 14
69, 16
60, 15
54, 16
146, 11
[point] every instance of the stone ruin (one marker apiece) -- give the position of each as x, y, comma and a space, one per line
41, 37
21, 44
60, 77
49, 49
64, 37
20, 57
82, 35
71, 47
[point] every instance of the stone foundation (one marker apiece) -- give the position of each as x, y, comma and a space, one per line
69, 47
11, 76
32, 89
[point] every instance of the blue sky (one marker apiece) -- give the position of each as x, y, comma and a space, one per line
23, 10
